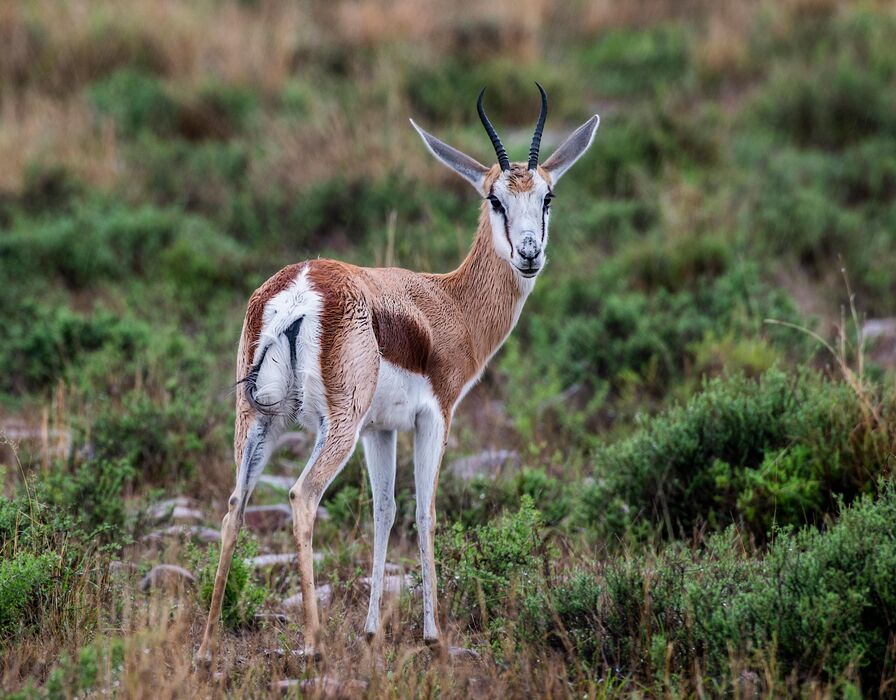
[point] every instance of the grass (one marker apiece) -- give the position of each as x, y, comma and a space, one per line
703, 504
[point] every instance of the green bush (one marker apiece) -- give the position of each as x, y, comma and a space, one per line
772, 451
814, 606
480, 568
828, 106
161, 440
627, 62
476, 502
42, 342
242, 596
135, 101
599, 348
25, 582
92, 494
104, 242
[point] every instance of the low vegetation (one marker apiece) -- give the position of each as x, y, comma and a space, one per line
697, 406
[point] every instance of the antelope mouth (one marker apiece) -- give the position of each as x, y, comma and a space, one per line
528, 272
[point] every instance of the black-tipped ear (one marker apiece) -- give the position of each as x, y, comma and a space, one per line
572, 149
468, 168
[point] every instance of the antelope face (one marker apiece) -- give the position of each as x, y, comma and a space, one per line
518, 195
519, 203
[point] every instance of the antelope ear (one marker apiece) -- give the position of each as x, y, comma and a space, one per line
468, 168
572, 149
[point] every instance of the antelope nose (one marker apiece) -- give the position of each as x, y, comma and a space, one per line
529, 249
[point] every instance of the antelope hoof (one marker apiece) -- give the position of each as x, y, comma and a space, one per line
202, 659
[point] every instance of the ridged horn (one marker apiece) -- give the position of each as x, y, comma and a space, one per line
539, 128
503, 160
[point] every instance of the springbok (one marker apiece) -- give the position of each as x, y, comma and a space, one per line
352, 352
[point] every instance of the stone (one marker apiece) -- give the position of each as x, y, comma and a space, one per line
489, 463
180, 510
324, 595
463, 655
296, 441
197, 533
274, 563
392, 585
322, 687
167, 577
281, 483
265, 519
881, 336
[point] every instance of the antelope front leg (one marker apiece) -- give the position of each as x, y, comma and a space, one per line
259, 445
429, 444
379, 451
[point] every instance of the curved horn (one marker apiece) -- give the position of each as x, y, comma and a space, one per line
503, 160
539, 128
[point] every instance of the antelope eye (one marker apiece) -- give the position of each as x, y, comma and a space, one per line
496, 204
547, 201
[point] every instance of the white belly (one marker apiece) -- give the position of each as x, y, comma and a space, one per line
400, 395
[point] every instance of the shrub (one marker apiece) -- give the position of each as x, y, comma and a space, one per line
242, 597
627, 62
813, 606
42, 342
774, 450
160, 440
217, 111
831, 106
25, 581
135, 101
102, 242
481, 567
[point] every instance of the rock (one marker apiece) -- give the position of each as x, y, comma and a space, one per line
479, 688
281, 483
180, 510
392, 585
295, 441
196, 533
881, 334
324, 686
463, 655
274, 563
168, 577
324, 595
489, 463
279, 618
266, 519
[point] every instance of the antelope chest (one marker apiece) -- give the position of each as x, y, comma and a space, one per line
399, 396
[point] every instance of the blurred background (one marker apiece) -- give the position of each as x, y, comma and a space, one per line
159, 160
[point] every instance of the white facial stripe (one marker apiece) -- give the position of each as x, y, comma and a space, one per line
522, 229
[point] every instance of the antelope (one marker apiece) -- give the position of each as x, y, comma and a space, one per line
355, 353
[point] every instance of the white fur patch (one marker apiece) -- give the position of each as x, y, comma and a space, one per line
400, 395
276, 378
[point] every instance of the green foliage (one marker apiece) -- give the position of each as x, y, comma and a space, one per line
242, 596
592, 348
25, 582
345, 506
136, 101
756, 452
41, 342
102, 661
92, 494
625, 62
480, 500
479, 568
812, 605
110, 242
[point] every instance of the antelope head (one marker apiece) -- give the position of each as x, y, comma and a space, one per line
518, 195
